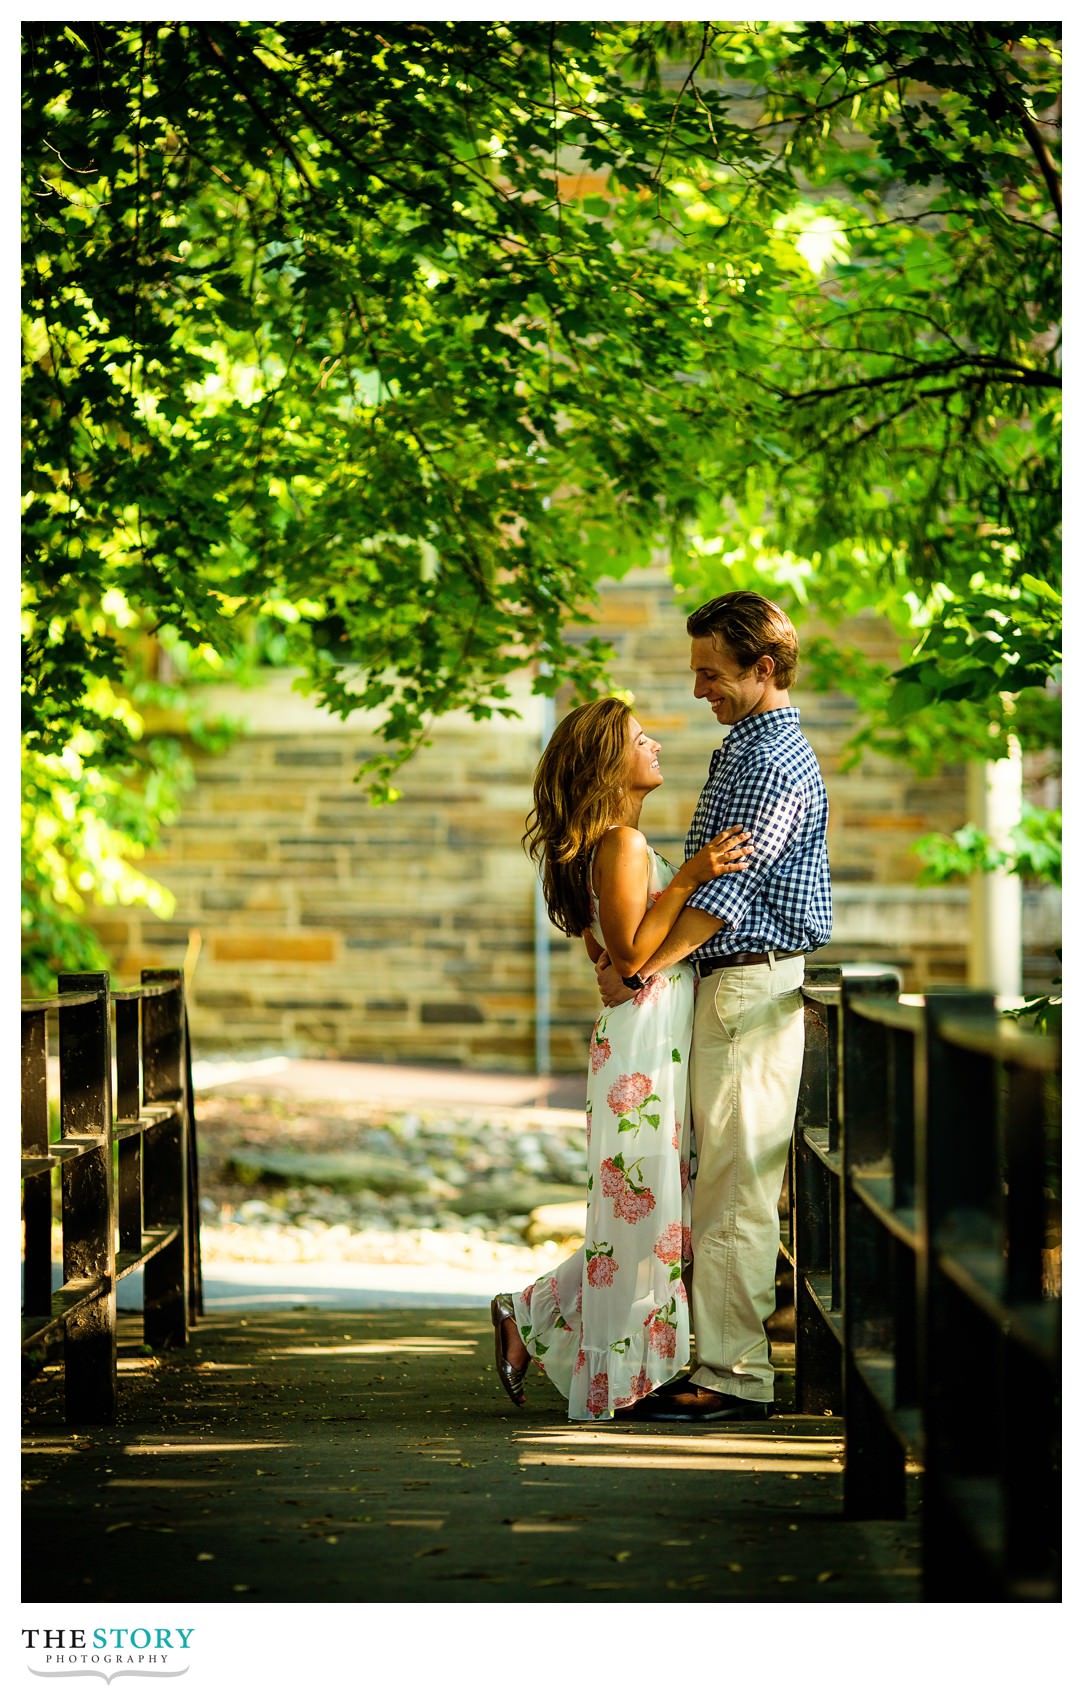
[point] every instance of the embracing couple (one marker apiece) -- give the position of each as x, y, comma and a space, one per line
695, 1061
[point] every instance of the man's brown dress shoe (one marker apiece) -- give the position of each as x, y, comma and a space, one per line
695, 1404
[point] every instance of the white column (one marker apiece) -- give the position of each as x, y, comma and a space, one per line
543, 930
995, 796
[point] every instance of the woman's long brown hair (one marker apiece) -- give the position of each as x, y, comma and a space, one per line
579, 790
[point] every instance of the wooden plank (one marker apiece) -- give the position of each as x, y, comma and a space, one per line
888, 1012
1003, 1041
818, 1289
878, 1371
815, 1140
166, 1281
88, 1205
130, 1129
153, 1241
37, 1182
66, 1304
76, 1145
875, 1192
65, 1000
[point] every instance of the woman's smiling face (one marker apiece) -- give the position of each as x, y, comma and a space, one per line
644, 773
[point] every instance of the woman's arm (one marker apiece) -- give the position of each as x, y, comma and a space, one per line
594, 949
634, 927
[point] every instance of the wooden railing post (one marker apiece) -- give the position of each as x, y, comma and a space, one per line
814, 1201
147, 1219
129, 1105
956, 1145
165, 1160
943, 1123
88, 1202
875, 1085
991, 1355
37, 1188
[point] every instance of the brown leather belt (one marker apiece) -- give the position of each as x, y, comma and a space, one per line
742, 959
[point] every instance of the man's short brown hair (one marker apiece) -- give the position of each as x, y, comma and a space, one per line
750, 627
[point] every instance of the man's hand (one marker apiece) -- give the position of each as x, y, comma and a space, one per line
611, 987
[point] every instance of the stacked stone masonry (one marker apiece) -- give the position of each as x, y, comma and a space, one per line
316, 924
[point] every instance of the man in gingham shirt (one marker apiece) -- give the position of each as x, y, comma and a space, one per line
747, 933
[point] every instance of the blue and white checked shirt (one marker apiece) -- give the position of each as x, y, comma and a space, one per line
766, 778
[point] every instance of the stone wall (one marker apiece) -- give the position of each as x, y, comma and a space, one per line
411, 933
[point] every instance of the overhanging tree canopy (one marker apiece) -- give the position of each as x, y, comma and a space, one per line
373, 345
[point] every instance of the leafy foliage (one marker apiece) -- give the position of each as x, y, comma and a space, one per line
1035, 851
369, 347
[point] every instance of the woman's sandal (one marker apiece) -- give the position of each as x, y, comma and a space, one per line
502, 1310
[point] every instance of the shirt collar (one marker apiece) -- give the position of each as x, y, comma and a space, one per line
755, 726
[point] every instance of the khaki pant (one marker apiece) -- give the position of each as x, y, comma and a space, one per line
747, 1047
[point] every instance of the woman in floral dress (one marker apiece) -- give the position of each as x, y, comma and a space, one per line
610, 1324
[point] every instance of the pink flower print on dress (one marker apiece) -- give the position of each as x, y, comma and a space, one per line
558, 1319
662, 1333
628, 1092
632, 1199
581, 1359
613, 1181
601, 1265
633, 1206
652, 991
667, 1246
686, 1243
686, 1171
641, 1386
598, 1396
600, 1052
628, 1098
528, 1294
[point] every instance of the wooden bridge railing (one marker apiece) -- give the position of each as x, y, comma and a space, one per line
128, 1194
925, 1155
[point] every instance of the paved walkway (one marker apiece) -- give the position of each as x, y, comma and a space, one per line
317, 1441
353, 1455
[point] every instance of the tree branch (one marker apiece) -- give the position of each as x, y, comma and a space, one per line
995, 371
657, 172
257, 107
1035, 140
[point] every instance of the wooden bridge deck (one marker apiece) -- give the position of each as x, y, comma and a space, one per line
350, 1456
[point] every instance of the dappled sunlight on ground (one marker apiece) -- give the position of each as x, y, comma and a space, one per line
776, 1451
365, 1455
382, 1348
148, 1448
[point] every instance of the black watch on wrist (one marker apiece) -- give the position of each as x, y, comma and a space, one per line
634, 982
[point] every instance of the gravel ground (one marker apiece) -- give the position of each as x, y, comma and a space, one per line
419, 1187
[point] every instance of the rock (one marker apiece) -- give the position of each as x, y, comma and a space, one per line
556, 1222
257, 1210
355, 1170
514, 1196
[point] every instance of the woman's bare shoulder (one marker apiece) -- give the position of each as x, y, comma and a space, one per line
620, 841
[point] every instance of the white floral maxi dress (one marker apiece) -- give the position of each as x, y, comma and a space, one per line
611, 1322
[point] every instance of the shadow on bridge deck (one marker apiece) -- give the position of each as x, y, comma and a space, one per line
369, 1455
